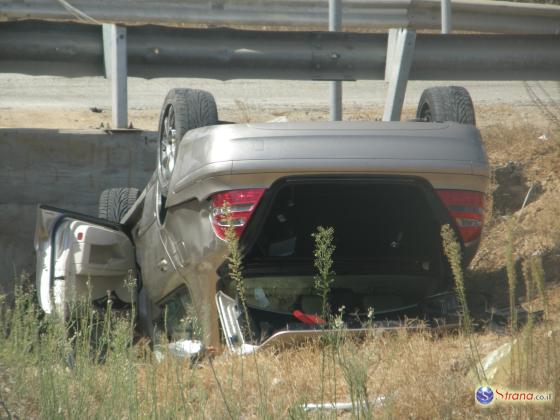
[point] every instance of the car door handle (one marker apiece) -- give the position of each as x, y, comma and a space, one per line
163, 265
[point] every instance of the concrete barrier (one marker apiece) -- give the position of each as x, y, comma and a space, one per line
67, 169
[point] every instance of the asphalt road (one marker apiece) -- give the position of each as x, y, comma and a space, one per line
18, 91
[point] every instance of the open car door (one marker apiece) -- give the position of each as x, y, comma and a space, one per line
81, 258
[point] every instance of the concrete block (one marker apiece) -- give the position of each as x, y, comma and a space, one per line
66, 169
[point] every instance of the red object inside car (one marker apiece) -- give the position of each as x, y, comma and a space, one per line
307, 318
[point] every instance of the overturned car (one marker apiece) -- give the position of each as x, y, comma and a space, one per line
385, 188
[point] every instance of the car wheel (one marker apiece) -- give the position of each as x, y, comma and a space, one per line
446, 103
115, 202
183, 110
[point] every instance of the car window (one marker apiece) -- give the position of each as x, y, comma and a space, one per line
177, 319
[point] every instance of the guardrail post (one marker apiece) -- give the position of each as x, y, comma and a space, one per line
335, 25
446, 16
400, 51
115, 55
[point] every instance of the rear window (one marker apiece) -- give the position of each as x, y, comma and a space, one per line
372, 222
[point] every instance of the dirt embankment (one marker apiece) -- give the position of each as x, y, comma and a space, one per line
524, 204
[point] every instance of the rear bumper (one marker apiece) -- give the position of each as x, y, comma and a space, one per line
261, 174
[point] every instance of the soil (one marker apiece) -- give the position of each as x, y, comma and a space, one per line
80, 118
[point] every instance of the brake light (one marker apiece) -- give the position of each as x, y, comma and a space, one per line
467, 209
241, 204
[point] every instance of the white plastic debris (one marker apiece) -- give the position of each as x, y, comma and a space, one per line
496, 361
182, 348
543, 137
185, 347
245, 348
339, 406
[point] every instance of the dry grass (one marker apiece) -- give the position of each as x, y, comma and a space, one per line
419, 375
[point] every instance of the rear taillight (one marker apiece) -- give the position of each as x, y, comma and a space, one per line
241, 205
467, 209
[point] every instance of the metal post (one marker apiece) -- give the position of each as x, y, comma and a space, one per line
107, 49
446, 16
116, 69
335, 25
391, 48
402, 43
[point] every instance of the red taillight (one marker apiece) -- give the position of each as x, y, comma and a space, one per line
241, 205
467, 208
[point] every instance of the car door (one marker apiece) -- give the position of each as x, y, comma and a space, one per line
81, 258
153, 258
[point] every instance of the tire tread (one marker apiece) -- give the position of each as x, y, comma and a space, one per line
115, 202
447, 103
193, 109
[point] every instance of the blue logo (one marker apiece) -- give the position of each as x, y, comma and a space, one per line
484, 395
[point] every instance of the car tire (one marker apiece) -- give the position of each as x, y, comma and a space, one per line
115, 202
183, 110
446, 103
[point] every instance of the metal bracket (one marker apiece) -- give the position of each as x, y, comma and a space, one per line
446, 23
400, 52
115, 56
335, 25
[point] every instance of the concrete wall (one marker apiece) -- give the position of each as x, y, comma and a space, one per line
66, 169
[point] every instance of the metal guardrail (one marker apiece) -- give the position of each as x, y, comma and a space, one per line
470, 15
66, 49
69, 49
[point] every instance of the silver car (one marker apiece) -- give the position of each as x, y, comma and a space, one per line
385, 188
